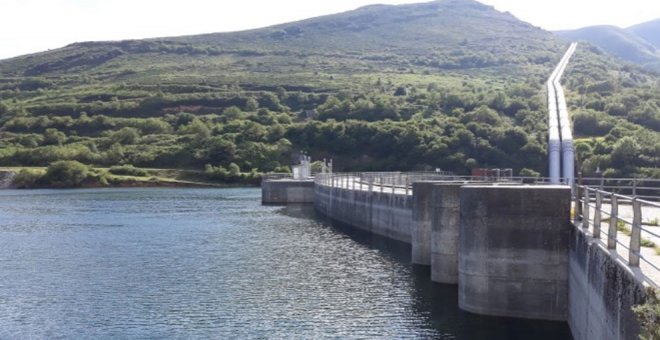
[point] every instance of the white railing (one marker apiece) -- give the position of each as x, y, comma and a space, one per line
386, 182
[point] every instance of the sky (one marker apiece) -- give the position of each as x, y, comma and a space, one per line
29, 26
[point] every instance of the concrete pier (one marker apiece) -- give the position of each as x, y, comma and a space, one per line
422, 221
444, 232
283, 191
513, 258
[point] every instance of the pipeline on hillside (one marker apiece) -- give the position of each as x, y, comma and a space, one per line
561, 153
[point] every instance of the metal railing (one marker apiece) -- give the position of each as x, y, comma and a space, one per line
401, 182
644, 188
392, 182
647, 188
616, 222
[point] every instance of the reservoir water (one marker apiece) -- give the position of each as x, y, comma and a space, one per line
215, 263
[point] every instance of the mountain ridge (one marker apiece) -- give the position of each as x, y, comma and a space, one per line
637, 44
649, 30
411, 30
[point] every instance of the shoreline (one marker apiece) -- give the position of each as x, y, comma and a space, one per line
140, 185
119, 181
145, 184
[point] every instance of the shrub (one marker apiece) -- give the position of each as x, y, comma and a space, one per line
27, 178
54, 137
286, 169
126, 135
65, 174
525, 172
99, 176
400, 91
128, 170
648, 316
232, 174
591, 123
234, 170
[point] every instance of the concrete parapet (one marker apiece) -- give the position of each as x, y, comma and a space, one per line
284, 191
513, 258
444, 232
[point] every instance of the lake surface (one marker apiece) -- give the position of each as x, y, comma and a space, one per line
214, 263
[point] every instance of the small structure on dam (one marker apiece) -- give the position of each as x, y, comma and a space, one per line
286, 191
297, 187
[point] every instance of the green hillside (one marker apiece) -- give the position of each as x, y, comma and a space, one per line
615, 111
449, 84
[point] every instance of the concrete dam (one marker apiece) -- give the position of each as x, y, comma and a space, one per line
511, 249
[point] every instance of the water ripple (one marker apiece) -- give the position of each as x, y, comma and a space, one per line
173, 263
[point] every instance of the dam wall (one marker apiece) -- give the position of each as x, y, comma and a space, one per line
382, 213
602, 291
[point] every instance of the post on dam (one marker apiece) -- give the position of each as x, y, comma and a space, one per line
513, 258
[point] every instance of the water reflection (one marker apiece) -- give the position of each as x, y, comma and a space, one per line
437, 303
193, 263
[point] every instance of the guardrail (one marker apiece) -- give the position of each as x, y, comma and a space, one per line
639, 187
647, 188
589, 198
393, 182
401, 182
